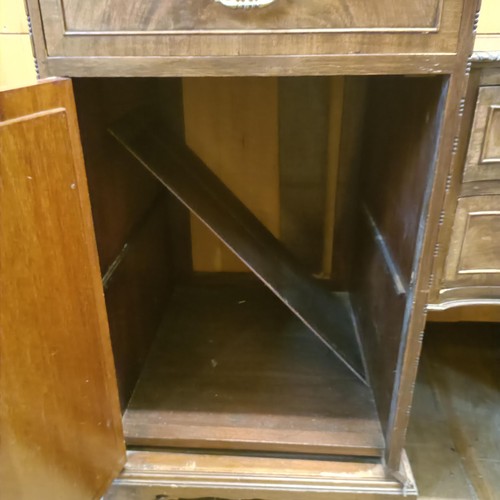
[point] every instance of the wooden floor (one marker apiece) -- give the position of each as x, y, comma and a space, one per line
454, 436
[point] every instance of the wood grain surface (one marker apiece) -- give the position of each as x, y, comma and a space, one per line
360, 29
232, 368
136, 290
232, 125
233, 477
230, 66
286, 15
397, 163
347, 119
483, 156
120, 191
257, 135
445, 161
305, 176
185, 175
473, 256
466, 267
59, 414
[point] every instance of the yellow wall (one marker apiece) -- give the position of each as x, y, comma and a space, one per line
17, 65
488, 30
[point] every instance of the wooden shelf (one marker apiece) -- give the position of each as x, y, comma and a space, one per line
192, 182
231, 368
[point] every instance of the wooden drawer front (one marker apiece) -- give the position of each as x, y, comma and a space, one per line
284, 27
483, 159
203, 15
474, 253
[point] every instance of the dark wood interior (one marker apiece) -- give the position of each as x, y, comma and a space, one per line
214, 360
231, 368
402, 121
192, 182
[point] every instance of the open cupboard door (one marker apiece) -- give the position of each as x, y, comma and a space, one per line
60, 421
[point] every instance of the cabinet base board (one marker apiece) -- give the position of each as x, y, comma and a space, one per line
181, 476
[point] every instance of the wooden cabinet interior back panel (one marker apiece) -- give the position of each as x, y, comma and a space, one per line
347, 116
304, 168
483, 157
232, 125
59, 415
273, 143
169, 97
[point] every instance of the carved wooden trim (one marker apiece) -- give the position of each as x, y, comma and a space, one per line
485, 57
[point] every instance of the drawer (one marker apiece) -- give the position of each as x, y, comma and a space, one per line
166, 28
246, 15
474, 252
483, 158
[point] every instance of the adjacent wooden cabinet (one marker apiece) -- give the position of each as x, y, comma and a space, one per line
134, 351
483, 157
474, 247
467, 267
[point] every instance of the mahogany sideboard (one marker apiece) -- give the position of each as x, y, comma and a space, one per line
142, 359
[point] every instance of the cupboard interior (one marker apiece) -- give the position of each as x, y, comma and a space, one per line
319, 183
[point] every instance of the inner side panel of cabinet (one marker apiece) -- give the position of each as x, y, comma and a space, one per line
256, 239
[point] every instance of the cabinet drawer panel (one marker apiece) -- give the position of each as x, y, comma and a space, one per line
474, 253
208, 28
483, 159
209, 15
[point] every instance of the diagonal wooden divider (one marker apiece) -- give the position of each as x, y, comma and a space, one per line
167, 157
